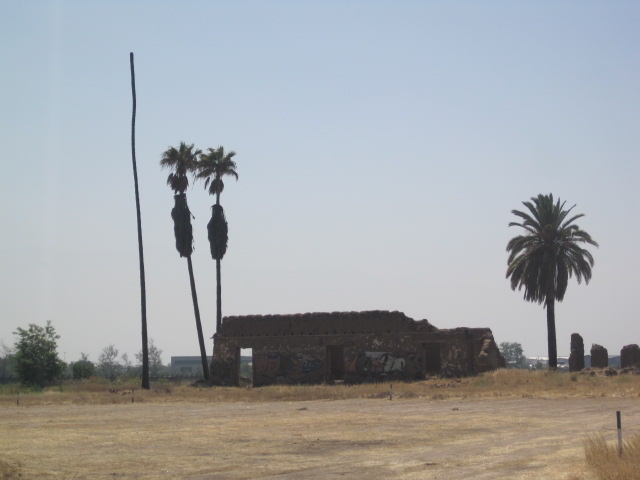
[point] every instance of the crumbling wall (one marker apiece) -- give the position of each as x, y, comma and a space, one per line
576, 357
293, 365
599, 356
458, 353
349, 346
225, 363
630, 356
382, 356
321, 323
489, 358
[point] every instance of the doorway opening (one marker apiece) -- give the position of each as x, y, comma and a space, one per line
245, 375
432, 360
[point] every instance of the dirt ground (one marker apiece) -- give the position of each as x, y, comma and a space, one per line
521, 438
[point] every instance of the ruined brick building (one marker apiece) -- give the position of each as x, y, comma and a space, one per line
348, 346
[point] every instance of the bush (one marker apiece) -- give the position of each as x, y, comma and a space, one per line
7, 362
107, 363
36, 358
83, 368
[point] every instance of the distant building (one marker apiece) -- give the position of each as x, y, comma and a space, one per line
187, 365
543, 362
563, 362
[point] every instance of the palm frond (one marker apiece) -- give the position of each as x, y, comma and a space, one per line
214, 165
541, 261
182, 226
218, 231
181, 161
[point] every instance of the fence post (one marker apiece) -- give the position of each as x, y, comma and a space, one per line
619, 433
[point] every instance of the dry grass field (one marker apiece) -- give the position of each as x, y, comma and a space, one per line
502, 425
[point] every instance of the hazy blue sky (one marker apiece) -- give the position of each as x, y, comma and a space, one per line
381, 147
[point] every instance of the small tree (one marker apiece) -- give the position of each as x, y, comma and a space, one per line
127, 366
7, 360
83, 368
36, 358
107, 364
155, 359
512, 353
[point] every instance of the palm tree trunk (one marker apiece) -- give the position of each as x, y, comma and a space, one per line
196, 312
218, 285
219, 297
143, 289
551, 333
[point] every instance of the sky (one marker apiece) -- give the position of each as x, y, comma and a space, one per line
381, 147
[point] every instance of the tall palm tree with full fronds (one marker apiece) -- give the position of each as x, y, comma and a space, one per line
181, 162
544, 258
212, 167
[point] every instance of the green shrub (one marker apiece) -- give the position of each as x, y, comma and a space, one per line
36, 357
83, 368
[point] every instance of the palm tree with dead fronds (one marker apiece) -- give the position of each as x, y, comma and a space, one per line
212, 167
181, 162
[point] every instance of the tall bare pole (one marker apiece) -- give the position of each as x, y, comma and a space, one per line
143, 290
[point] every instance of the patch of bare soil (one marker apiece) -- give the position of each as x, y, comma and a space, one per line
409, 438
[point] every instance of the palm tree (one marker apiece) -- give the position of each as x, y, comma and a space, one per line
182, 161
546, 256
143, 290
212, 167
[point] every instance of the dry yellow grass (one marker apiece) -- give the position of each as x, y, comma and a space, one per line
497, 384
9, 471
605, 462
502, 425
406, 439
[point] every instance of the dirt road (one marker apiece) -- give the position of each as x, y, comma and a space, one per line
356, 439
